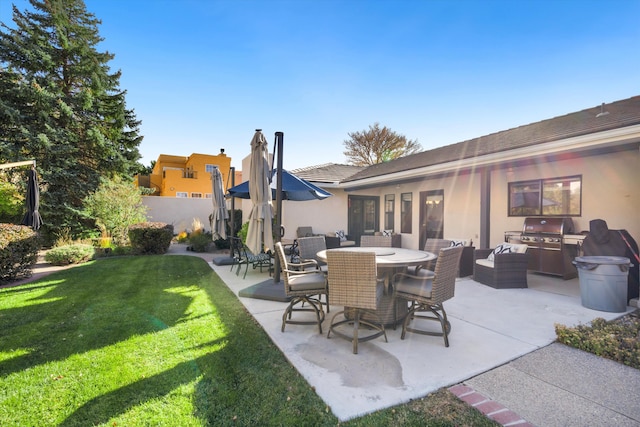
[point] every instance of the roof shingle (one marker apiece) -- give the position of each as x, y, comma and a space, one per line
327, 173
620, 114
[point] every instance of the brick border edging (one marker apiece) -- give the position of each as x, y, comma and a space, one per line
490, 408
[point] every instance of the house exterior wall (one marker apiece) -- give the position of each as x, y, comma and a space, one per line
461, 206
325, 216
173, 174
610, 191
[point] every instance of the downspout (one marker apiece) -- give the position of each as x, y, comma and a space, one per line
485, 207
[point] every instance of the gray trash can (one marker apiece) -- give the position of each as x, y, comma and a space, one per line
603, 282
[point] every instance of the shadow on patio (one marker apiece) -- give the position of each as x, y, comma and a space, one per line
489, 328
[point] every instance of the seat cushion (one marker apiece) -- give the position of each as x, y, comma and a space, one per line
485, 262
307, 282
421, 287
347, 243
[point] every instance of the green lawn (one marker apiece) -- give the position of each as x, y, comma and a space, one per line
158, 340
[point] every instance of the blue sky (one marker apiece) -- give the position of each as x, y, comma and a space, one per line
203, 75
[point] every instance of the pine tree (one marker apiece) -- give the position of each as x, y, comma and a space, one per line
62, 106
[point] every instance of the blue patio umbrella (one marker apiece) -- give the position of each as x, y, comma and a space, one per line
293, 188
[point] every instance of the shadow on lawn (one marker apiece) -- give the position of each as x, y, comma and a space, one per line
101, 409
70, 319
242, 374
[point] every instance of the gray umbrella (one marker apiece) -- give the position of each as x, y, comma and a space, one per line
260, 232
220, 213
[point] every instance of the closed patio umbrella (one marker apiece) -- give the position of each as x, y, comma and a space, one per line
32, 217
220, 214
260, 234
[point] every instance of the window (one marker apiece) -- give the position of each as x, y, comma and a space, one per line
546, 197
182, 194
208, 196
389, 210
209, 168
196, 195
405, 212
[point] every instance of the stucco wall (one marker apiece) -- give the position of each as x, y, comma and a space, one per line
610, 191
325, 216
461, 206
179, 211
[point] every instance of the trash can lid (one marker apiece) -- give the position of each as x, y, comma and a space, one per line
603, 260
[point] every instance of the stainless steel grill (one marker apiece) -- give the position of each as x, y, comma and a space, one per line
548, 251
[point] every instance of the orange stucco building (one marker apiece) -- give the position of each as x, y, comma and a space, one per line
179, 176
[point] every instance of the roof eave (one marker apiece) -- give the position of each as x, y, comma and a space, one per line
608, 139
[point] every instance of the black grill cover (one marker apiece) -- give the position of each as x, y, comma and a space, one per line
604, 242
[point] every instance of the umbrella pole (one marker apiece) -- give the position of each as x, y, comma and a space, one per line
279, 143
232, 170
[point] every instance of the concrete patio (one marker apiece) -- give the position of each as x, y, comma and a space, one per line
489, 328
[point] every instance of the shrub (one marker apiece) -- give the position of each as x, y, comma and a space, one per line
222, 243
200, 241
11, 203
242, 234
617, 340
115, 205
70, 254
150, 237
19, 247
183, 237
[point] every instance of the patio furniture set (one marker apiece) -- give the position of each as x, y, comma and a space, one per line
379, 284
372, 285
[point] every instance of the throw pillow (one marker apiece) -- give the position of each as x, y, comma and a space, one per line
387, 233
455, 243
341, 236
504, 248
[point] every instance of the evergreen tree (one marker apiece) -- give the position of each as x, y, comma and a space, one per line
62, 106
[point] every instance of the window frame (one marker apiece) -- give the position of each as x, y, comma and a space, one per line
406, 212
534, 193
389, 211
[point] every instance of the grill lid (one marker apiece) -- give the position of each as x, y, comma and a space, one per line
554, 225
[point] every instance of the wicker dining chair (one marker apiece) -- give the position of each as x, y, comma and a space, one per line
309, 247
427, 290
379, 241
355, 286
302, 285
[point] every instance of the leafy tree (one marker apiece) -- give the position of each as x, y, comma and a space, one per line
11, 203
378, 145
116, 205
61, 105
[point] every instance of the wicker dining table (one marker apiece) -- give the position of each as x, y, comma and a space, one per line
389, 261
